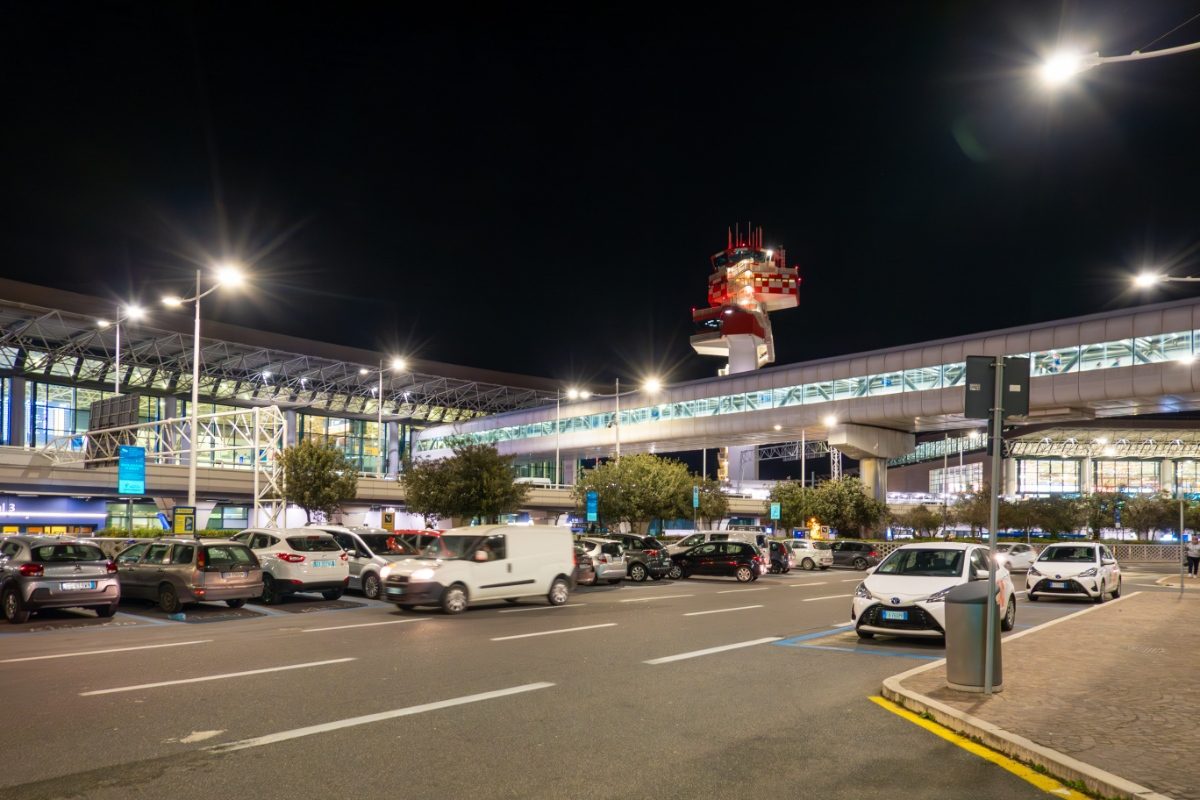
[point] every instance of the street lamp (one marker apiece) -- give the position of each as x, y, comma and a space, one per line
1147, 280
397, 365
126, 313
226, 275
1062, 66
650, 385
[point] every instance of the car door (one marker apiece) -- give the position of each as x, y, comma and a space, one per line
128, 573
707, 558
358, 555
492, 576
151, 570
843, 554
1110, 568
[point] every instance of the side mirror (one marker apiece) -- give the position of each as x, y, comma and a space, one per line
980, 575
1108, 562
871, 570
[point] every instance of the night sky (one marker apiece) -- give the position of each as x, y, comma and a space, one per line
541, 193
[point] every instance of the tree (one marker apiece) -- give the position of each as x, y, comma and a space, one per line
1144, 514
1056, 514
973, 508
797, 504
1098, 512
474, 482
318, 477
713, 502
637, 489
427, 488
920, 519
845, 506
1018, 515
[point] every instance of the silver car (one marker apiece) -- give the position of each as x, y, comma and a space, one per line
370, 550
175, 571
608, 558
38, 572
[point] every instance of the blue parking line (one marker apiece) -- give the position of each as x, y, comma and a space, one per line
818, 635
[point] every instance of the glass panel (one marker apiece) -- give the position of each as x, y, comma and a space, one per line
922, 378
1048, 476
885, 383
954, 374
1127, 477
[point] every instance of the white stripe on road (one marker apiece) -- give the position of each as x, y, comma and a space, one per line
816, 583
719, 611
366, 719
732, 591
364, 625
826, 597
541, 608
660, 597
101, 652
850, 580
548, 633
215, 677
711, 650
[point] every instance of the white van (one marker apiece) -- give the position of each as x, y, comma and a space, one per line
700, 537
488, 562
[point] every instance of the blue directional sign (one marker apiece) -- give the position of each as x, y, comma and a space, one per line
593, 503
131, 470
695, 497
775, 511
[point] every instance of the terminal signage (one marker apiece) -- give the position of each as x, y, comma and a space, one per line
775, 511
389, 521
695, 497
184, 520
131, 470
593, 503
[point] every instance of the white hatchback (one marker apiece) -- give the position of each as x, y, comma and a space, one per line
905, 595
1085, 570
811, 555
1015, 557
298, 560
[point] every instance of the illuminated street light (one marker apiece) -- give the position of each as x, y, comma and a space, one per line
1146, 280
830, 421
1064, 65
397, 365
126, 312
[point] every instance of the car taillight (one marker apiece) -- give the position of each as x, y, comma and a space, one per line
873, 554
201, 560
110, 566
344, 556
652, 553
32, 570
291, 558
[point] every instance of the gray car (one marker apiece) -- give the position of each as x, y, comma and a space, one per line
38, 572
854, 554
175, 571
370, 550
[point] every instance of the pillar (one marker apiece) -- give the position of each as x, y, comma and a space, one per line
743, 357
1166, 476
393, 449
873, 472
292, 433
18, 427
1009, 476
170, 409
569, 469
1087, 482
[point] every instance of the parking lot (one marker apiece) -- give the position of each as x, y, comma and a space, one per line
695, 688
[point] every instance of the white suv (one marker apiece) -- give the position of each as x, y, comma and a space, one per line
1074, 570
298, 560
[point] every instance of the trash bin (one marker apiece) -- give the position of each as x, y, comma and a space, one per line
966, 633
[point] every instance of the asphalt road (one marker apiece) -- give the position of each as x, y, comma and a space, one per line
357, 699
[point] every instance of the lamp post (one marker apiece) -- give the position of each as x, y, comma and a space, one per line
649, 386
397, 365
227, 275
1061, 67
126, 313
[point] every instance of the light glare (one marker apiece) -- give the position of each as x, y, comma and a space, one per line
830, 420
1146, 279
652, 385
1061, 67
230, 275
399, 364
172, 301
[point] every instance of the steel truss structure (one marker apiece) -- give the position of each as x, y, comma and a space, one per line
1166, 443
249, 438
788, 451
63, 347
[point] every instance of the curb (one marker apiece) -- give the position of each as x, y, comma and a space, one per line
1060, 765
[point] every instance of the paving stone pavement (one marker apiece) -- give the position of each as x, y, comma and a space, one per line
1118, 688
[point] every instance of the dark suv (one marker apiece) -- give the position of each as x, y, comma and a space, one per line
741, 560
849, 553
646, 557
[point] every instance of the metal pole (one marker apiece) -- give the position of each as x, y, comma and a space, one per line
803, 454
704, 463
195, 421
379, 425
994, 519
617, 419
117, 371
254, 523
1182, 551
557, 420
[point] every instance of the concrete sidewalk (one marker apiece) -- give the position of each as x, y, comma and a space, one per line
1109, 697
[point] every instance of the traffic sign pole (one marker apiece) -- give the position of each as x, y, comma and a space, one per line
994, 518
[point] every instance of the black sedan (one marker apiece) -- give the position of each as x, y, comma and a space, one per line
742, 561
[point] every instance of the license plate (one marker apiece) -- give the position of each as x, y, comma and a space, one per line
1054, 585
76, 585
900, 615
395, 590
233, 574
324, 563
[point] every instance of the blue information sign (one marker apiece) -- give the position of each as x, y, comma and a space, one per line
775, 511
593, 502
131, 470
695, 497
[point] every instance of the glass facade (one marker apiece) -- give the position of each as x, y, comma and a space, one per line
1127, 477
231, 518
939, 448
1187, 476
956, 479
1049, 476
123, 516
357, 438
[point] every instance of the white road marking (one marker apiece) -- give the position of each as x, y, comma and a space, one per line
366, 719
826, 597
850, 580
101, 652
732, 591
540, 608
719, 611
364, 625
660, 597
200, 736
816, 583
711, 650
548, 633
216, 677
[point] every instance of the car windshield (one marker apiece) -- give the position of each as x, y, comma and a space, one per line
452, 547
1003, 548
313, 544
923, 562
386, 544
1065, 553
66, 553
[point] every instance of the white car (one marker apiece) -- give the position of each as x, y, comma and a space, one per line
811, 555
905, 595
1074, 570
298, 560
1015, 557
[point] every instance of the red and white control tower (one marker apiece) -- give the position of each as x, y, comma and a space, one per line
747, 283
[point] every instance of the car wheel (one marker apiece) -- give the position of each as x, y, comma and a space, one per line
807, 565
786, 570
675, 573
332, 594
637, 573
1099, 598
1031, 597
744, 574
106, 611
1010, 615
1117, 591
370, 586
454, 599
270, 595
559, 592
860, 563
14, 609
864, 634
168, 600
684, 574
236, 603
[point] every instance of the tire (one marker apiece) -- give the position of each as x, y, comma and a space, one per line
106, 611
14, 607
236, 603
1031, 597
860, 564
807, 564
1010, 616
332, 594
371, 586
454, 599
744, 574
1099, 598
270, 595
684, 574
1117, 591
168, 599
637, 572
786, 570
864, 634
559, 592
675, 573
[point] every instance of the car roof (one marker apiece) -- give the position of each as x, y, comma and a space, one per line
290, 531
939, 546
48, 539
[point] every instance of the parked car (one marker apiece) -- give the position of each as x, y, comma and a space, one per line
1074, 570
905, 595
700, 537
372, 549
490, 562
781, 557
608, 559
176, 571
849, 553
40, 572
742, 560
645, 557
811, 554
585, 570
1015, 557
298, 560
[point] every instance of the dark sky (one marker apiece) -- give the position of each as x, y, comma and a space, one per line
540, 193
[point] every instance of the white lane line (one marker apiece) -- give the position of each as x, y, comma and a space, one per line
817, 583
733, 591
719, 611
711, 650
660, 597
366, 719
548, 633
541, 608
101, 652
851, 580
364, 625
826, 597
216, 677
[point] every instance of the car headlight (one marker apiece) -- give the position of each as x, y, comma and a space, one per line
939, 597
863, 592
1088, 573
1033, 573
423, 574
383, 573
